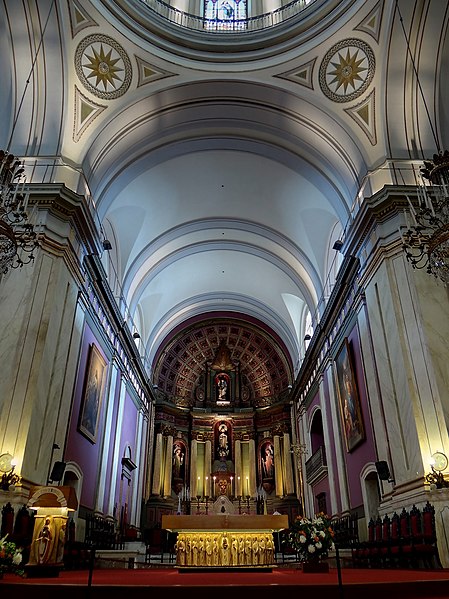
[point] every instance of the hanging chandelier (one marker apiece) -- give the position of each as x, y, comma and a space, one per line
18, 237
426, 240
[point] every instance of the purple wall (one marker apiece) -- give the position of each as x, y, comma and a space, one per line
128, 428
331, 452
111, 441
79, 449
365, 451
86, 454
321, 486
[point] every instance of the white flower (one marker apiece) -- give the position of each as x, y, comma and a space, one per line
318, 545
311, 549
17, 558
322, 534
302, 539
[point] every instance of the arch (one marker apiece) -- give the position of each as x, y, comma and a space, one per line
74, 477
316, 431
369, 483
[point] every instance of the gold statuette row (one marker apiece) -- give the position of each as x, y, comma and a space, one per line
224, 549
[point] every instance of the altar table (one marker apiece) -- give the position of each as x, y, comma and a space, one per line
225, 540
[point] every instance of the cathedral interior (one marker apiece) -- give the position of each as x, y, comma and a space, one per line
223, 260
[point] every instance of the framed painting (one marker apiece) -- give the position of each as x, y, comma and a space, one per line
92, 394
349, 400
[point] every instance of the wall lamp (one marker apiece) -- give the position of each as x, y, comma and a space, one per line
9, 478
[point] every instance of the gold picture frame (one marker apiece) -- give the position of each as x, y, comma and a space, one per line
349, 400
92, 394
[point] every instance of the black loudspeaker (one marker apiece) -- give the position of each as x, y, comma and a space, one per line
58, 471
382, 470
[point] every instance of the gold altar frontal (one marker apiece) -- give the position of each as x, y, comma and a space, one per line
225, 541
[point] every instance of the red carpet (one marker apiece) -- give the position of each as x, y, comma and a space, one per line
138, 583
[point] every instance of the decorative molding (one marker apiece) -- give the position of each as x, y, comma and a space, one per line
148, 73
86, 111
364, 115
371, 24
302, 75
79, 18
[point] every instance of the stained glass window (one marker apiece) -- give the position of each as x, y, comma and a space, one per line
225, 15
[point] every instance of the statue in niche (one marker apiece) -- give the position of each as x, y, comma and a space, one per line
222, 385
178, 460
267, 456
223, 441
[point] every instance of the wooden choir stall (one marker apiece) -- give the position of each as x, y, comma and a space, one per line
225, 540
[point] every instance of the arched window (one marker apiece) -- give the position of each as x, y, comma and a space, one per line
308, 329
225, 15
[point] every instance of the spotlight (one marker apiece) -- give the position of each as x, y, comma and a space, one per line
337, 245
107, 245
136, 335
307, 338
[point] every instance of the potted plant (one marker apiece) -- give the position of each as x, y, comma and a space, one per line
312, 539
10, 557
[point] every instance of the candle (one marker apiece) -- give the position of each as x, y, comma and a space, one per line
239, 490
198, 492
247, 486
232, 479
207, 490
213, 490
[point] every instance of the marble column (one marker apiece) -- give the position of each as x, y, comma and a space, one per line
238, 468
168, 466
156, 488
279, 475
287, 466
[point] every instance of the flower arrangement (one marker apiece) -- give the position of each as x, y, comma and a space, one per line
10, 557
312, 539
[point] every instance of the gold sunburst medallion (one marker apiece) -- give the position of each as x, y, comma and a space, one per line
103, 66
347, 70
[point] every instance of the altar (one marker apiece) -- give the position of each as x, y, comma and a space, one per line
225, 540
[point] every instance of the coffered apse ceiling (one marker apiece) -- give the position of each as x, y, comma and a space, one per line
223, 167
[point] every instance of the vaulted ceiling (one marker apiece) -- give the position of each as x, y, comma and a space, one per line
222, 168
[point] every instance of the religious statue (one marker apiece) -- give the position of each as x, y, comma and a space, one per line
45, 541
268, 461
223, 441
178, 461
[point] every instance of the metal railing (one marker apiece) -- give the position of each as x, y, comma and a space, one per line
201, 23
